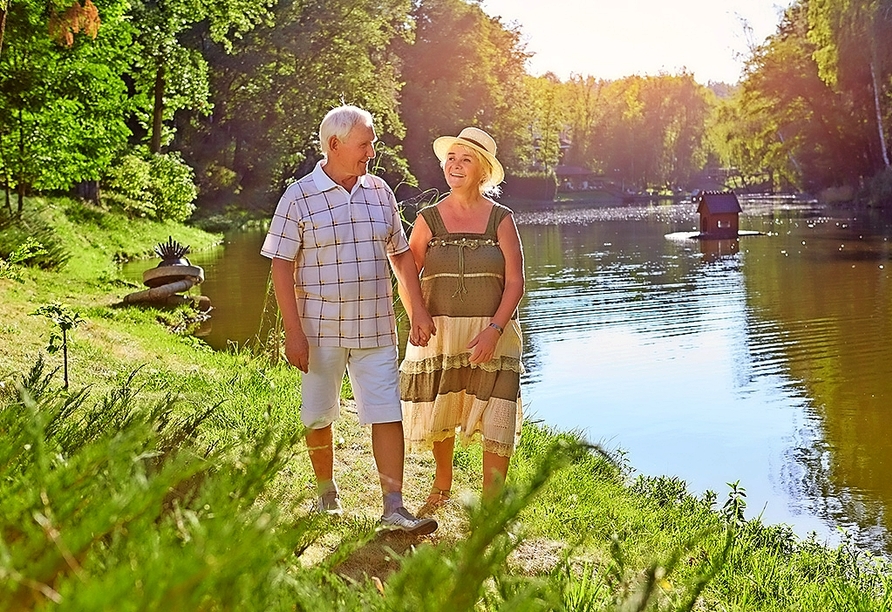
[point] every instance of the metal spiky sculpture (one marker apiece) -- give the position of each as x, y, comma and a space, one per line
172, 253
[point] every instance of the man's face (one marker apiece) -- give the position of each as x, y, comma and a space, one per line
351, 156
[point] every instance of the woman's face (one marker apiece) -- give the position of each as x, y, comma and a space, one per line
462, 168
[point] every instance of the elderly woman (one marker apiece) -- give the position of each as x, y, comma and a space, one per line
467, 378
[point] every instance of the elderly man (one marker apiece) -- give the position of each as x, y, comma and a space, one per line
330, 240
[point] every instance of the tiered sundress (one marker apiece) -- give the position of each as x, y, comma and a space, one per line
441, 391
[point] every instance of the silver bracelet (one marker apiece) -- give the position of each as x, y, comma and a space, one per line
497, 327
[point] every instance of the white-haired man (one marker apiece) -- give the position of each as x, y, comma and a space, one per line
330, 240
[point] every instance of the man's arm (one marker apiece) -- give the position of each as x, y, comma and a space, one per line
406, 272
297, 349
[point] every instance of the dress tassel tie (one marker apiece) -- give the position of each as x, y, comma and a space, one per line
462, 244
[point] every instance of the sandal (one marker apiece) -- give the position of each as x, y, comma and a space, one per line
436, 500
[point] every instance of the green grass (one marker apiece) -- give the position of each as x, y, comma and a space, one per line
170, 476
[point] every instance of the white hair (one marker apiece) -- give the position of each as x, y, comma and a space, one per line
339, 121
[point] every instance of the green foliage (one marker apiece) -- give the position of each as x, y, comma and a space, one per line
117, 503
878, 191
463, 68
11, 267
66, 320
155, 186
274, 87
733, 510
169, 70
31, 226
457, 580
805, 112
62, 109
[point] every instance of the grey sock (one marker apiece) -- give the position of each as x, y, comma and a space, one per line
392, 502
327, 487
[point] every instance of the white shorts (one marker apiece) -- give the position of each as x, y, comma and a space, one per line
374, 375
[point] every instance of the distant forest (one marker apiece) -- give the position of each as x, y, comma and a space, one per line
165, 107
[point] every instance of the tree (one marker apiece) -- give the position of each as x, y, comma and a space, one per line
586, 106
787, 120
464, 68
272, 91
62, 107
66, 320
169, 72
853, 52
548, 121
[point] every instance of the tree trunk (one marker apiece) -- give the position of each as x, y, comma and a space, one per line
3, 25
20, 186
879, 114
158, 110
6, 199
65, 356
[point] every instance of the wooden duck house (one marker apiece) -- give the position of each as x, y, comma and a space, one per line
719, 214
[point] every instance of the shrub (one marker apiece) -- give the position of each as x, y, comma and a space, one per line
879, 188
17, 232
156, 186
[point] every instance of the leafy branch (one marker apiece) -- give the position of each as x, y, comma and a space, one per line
11, 267
66, 320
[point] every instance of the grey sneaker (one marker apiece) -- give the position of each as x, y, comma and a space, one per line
330, 504
402, 520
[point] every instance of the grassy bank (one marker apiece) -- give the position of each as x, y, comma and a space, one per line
172, 477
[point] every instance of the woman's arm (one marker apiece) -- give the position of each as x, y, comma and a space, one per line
484, 344
509, 242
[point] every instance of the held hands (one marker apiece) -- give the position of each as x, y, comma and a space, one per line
483, 345
422, 328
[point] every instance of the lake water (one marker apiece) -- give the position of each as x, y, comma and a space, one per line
765, 360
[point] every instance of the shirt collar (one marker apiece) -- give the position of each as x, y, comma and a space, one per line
325, 182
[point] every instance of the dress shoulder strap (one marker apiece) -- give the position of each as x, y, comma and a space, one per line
496, 215
434, 220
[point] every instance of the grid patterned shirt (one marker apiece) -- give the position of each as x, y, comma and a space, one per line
339, 243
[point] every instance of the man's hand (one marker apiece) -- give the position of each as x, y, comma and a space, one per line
422, 327
297, 350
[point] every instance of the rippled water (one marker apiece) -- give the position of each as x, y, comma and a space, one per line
764, 360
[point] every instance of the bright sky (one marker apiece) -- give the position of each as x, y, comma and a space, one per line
611, 39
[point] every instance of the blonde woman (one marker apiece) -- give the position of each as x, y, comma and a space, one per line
467, 378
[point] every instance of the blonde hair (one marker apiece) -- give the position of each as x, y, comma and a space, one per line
487, 187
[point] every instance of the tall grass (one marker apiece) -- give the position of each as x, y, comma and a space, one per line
175, 478
131, 500
114, 504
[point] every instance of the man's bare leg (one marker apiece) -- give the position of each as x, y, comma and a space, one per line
319, 445
389, 450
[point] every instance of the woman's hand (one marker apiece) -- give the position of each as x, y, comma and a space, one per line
483, 345
422, 327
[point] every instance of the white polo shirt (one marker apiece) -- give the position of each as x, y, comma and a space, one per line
339, 242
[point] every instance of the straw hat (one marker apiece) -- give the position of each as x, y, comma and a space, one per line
480, 141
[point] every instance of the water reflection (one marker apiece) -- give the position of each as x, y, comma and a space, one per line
834, 317
763, 359
760, 359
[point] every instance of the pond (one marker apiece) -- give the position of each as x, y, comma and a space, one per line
764, 360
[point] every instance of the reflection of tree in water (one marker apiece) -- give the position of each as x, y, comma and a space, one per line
818, 310
824, 284
808, 475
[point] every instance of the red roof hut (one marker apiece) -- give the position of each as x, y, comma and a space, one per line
718, 212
